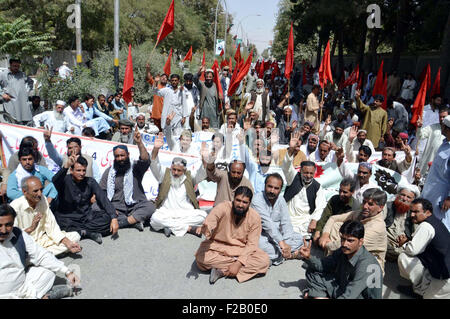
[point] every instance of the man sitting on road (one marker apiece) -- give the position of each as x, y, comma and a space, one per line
232, 231
37, 220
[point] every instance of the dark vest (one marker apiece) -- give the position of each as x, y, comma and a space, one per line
389, 220
436, 257
19, 245
297, 186
264, 103
164, 188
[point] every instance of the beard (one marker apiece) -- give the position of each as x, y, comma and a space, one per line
233, 180
401, 207
208, 83
140, 126
384, 163
124, 138
58, 116
311, 149
122, 167
176, 181
189, 87
336, 135
260, 91
272, 196
306, 181
239, 212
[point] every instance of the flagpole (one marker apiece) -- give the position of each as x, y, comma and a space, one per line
288, 90
151, 53
323, 94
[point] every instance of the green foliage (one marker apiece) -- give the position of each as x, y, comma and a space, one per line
18, 39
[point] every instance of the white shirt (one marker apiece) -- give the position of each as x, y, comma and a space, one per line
408, 89
340, 142
423, 235
12, 272
432, 134
75, 119
429, 117
64, 71
49, 119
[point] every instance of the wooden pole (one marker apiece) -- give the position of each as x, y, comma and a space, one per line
323, 93
151, 53
288, 90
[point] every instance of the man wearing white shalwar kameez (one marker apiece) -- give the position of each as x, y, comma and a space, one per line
177, 206
53, 119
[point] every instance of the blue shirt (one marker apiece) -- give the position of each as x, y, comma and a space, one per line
44, 174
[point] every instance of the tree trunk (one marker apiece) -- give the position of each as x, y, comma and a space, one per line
445, 57
400, 33
362, 48
319, 52
373, 50
333, 46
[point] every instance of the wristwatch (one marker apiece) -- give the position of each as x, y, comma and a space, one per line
68, 272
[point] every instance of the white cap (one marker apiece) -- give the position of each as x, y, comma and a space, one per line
59, 102
287, 107
209, 70
65, 63
355, 118
260, 80
411, 188
447, 121
140, 114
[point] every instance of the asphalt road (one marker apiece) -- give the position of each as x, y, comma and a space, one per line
143, 265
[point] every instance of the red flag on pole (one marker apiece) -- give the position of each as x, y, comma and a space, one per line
188, 56
222, 52
426, 70
167, 66
419, 103
168, 24
242, 73
237, 55
378, 86
230, 64
437, 84
215, 68
223, 64
261, 70
128, 81
325, 67
202, 76
289, 61
352, 78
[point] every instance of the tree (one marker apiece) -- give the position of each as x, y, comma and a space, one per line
19, 40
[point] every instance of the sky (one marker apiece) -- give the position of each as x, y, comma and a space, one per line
258, 29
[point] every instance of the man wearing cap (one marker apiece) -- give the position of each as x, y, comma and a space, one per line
398, 220
52, 119
64, 71
261, 101
125, 133
123, 185
312, 108
433, 136
286, 125
209, 98
309, 148
437, 185
375, 118
177, 208
14, 88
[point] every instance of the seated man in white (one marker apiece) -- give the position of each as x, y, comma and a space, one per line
177, 208
37, 220
52, 119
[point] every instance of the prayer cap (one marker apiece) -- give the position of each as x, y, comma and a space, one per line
209, 71
447, 121
287, 107
140, 114
361, 131
366, 165
179, 161
355, 118
126, 123
65, 63
260, 80
403, 135
121, 146
59, 102
410, 188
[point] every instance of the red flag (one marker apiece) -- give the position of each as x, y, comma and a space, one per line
325, 67
223, 64
419, 103
168, 24
237, 55
215, 68
202, 76
128, 81
267, 65
289, 61
437, 84
230, 64
242, 73
188, 56
426, 70
222, 52
378, 86
275, 70
384, 92
167, 66
360, 80
352, 78
261, 70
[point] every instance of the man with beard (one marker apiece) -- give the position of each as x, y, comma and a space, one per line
232, 230
337, 138
75, 211
312, 108
52, 119
36, 107
388, 159
351, 272
430, 111
398, 113
261, 101
177, 208
158, 101
123, 185
227, 181
356, 139
362, 178
425, 259
209, 99
304, 195
73, 147
145, 128
398, 222
174, 113
26, 269
338, 204
375, 118
125, 133
371, 216
286, 125
37, 220
310, 147
191, 99
278, 238
27, 167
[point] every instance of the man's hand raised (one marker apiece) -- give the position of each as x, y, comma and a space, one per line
48, 134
